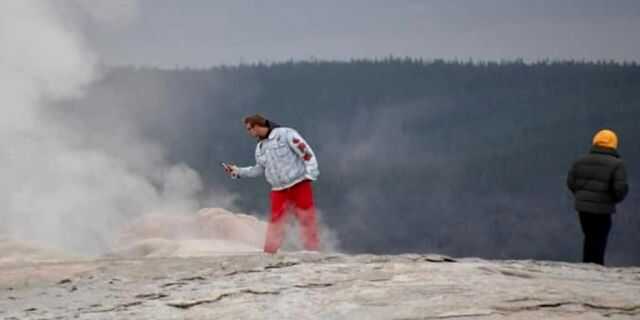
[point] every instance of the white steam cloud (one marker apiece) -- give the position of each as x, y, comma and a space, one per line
55, 187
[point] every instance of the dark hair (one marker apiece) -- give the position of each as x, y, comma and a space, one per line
256, 119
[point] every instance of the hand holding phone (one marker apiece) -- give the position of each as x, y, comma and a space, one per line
230, 169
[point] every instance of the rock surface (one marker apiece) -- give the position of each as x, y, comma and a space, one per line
316, 286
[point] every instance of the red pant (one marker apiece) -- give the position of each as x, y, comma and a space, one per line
300, 199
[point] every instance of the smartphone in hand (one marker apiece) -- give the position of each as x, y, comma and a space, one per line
228, 168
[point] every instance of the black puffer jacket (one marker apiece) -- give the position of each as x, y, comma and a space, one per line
598, 181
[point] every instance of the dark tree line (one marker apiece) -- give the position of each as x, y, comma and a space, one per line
462, 158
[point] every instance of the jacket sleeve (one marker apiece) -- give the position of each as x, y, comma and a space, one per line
252, 171
304, 151
571, 179
620, 186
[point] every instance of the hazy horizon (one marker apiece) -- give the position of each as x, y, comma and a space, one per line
202, 34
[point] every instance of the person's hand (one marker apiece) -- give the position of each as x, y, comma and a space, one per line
230, 169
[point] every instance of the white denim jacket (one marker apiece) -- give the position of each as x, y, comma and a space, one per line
285, 158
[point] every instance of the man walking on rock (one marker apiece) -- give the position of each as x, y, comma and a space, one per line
598, 181
289, 166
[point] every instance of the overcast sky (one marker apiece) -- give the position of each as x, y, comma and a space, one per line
201, 33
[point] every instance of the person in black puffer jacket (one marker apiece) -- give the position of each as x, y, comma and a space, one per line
598, 181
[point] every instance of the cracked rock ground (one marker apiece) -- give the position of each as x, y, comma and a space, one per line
317, 286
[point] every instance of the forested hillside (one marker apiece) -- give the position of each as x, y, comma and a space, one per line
460, 158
